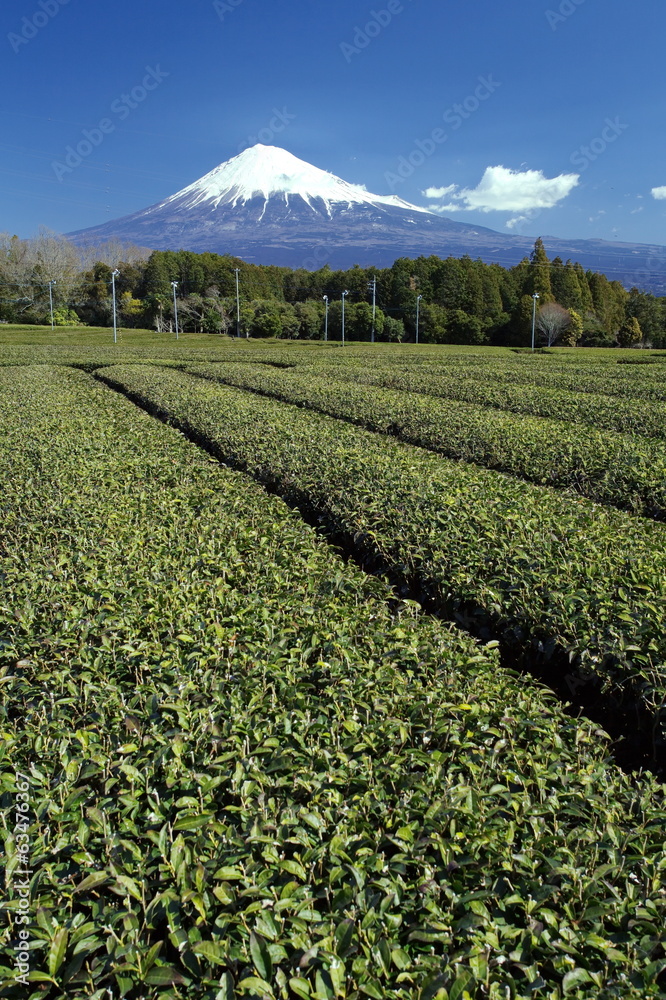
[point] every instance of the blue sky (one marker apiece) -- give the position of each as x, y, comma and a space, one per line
542, 118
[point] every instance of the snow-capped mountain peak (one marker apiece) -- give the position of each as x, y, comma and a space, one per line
269, 171
267, 206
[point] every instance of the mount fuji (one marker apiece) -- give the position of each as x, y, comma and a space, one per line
267, 206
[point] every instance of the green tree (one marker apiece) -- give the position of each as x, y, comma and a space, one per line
433, 327
394, 330
464, 329
586, 302
519, 333
310, 319
448, 284
645, 308
539, 274
157, 276
265, 320
629, 333
130, 309
360, 322
289, 321
574, 331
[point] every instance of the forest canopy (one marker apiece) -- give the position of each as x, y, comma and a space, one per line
460, 300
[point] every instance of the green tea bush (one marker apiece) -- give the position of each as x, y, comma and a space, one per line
252, 772
626, 471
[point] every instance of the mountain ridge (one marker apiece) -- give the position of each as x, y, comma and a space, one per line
267, 206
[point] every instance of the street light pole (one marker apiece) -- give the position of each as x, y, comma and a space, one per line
344, 296
418, 309
534, 299
114, 275
326, 319
373, 288
51, 284
237, 304
174, 285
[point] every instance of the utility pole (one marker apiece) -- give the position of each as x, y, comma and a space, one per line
418, 308
344, 296
51, 284
373, 288
326, 319
237, 269
534, 299
114, 275
174, 285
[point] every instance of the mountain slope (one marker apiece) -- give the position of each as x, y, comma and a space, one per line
269, 207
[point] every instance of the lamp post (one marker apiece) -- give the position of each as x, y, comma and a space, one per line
326, 319
344, 296
237, 269
51, 284
174, 285
114, 275
373, 288
418, 311
534, 299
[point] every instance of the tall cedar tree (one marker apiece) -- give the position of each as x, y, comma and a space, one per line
539, 276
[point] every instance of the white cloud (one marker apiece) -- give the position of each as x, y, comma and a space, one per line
518, 221
659, 193
504, 190
440, 192
445, 209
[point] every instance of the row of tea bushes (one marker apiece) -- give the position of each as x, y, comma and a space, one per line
544, 571
584, 375
626, 415
622, 470
247, 777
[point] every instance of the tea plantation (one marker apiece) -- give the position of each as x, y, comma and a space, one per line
331, 674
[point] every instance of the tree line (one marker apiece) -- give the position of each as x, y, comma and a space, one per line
460, 300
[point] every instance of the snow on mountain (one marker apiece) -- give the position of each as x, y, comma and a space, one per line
268, 207
266, 171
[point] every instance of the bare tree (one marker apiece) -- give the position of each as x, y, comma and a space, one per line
54, 258
552, 321
16, 273
112, 252
27, 267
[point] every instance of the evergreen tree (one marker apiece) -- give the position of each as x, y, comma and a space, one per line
157, 276
586, 301
472, 298
448, 284
394, 330
645, 308
310, 319
519, 333
464, 329
539, 274
432, 324
492, 296
574, 332
629, 333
